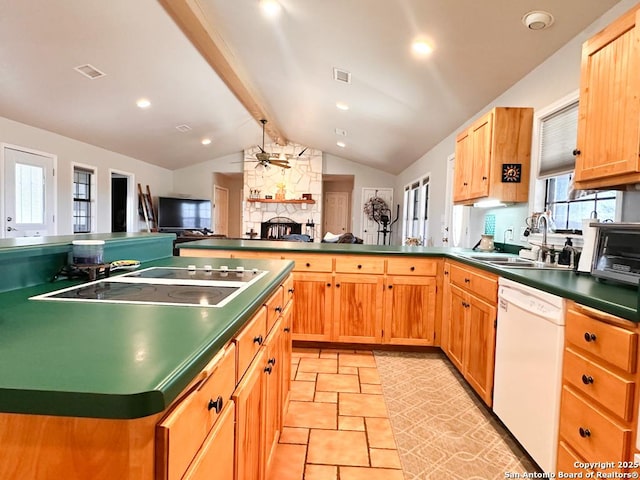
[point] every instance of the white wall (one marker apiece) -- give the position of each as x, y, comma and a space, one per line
363, 177
553, 79
160, 180
197, 180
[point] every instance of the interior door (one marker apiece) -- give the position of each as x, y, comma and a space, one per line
369, 227
336, 212
220, 210
29, 193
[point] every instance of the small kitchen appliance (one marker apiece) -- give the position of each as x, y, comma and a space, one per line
616, 254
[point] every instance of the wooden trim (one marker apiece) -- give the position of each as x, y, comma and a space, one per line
275, 200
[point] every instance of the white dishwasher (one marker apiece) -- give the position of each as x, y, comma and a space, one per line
528, 371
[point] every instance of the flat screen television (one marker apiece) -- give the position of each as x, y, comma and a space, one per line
183, 214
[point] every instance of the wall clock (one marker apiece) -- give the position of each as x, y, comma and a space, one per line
511, 172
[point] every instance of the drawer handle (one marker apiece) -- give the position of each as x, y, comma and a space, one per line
290, 290
268, 369
413, 269
272, 361
258, 339
589, 337
390, 287
446, 272
359, 266
467, 280
308, 264
216, 404
584, 432
328, 284
278, 309
337, 285
287, 329
587, 379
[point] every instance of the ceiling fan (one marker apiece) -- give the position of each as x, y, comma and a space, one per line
265, 159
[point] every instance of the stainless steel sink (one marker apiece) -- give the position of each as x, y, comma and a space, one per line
516, 262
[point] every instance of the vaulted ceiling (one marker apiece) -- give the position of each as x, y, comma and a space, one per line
218, 66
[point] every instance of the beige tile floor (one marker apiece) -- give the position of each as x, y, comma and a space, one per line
337, 425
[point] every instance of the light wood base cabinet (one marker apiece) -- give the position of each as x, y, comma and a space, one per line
469, 326
357, 308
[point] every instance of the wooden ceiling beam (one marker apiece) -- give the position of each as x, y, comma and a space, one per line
190, 17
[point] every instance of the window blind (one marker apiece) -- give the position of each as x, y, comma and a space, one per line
558, 136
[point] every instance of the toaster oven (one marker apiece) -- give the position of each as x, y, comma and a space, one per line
616, 254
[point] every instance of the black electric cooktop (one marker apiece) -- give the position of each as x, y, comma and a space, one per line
203, 287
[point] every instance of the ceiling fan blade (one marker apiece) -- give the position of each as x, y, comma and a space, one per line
304, 150
261, 149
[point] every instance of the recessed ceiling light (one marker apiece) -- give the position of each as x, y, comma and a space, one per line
143, 103
206, 141
341, 144
342, 106
271, 8
422, 48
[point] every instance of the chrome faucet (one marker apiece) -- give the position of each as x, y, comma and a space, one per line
544, 248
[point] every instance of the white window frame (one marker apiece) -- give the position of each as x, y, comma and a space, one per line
94, 194
537, 185
421, 186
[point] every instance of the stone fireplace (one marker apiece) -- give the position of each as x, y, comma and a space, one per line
287, 189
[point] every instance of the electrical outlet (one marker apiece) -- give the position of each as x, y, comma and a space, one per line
509, 234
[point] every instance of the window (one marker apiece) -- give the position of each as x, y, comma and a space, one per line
82, 199
416, 210
558, 133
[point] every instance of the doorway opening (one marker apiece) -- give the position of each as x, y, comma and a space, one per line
122, 201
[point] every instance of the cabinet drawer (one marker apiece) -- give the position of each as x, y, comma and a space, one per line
609, 389
568, 460
608, 342
288, 289
485, 286
590, 432
311, 263
249, 340
215, 460
182, 432
275, 306
412, 266
359, 264
262, 254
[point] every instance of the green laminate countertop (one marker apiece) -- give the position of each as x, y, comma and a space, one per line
616, 299
107, 360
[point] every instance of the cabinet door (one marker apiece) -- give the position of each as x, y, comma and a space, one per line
457, 311
312, 306
609, 111
462, 167
409, 310
357, 308
215, 461
480, 347
287, 316
480, 168
249, 422
272, 389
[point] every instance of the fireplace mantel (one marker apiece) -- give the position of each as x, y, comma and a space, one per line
274, 200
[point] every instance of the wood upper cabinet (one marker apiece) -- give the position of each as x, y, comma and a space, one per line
609, 111
494, 148
357, 308
410, 310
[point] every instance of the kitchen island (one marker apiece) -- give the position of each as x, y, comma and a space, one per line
84, 387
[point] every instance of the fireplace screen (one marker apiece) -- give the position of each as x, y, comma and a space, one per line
278, 228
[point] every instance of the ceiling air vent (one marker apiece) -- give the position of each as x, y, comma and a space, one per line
341, 75
341, 131
89, 71
184, 128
